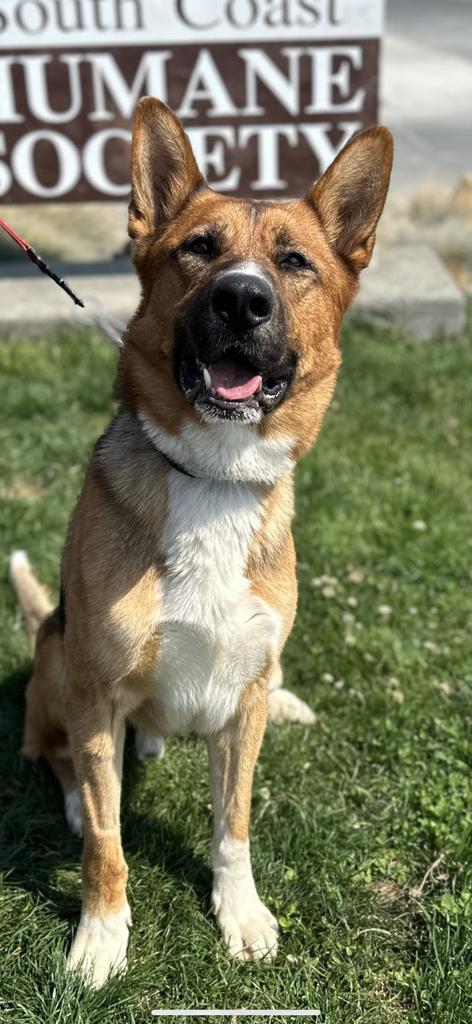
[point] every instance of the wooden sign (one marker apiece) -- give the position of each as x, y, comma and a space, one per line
268, 90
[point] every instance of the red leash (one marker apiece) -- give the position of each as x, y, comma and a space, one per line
33, 256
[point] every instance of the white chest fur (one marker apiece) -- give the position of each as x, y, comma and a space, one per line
215, 634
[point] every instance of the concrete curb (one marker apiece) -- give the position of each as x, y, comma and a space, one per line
407, 286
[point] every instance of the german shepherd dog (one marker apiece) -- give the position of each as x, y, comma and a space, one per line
178, 586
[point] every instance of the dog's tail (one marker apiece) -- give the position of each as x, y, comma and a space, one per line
33, 599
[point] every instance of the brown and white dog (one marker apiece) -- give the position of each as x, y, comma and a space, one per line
178, 575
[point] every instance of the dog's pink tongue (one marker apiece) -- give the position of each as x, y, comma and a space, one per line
233, 382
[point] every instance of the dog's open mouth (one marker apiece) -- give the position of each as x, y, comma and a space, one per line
232, 381
230, 387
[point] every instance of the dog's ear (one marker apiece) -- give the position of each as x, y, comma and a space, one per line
350, 195
164, 171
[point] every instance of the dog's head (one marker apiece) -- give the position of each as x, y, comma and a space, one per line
242, 300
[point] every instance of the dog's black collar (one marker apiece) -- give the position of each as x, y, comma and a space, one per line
167, 458
175, 465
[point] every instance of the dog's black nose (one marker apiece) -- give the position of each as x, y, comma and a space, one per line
243, 301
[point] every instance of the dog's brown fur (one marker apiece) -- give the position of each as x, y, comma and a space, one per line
98, 672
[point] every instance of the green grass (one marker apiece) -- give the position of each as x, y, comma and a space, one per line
348, 816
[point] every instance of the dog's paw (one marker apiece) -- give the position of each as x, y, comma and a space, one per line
284, 706
73, 809
99, 946
148, 745
248, 927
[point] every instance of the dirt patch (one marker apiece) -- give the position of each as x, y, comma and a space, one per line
17, 488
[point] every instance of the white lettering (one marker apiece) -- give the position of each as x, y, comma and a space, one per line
5, 173
23, 164
37, 92
325, 80
212, 89
94, 162
215, 159
317, 136
285, 88
150, 79
8, 114
268, 152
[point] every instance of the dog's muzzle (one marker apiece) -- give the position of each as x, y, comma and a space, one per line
231, 356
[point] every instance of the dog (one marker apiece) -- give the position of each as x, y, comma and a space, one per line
178, 584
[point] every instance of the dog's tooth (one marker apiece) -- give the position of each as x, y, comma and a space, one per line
207, 378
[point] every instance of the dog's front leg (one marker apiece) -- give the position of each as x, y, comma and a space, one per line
97, 731
248, 927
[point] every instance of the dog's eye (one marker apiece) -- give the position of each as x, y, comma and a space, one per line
200, 245
293, 261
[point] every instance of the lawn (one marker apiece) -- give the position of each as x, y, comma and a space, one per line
361, 823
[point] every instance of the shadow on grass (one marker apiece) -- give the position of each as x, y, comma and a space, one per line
37, 851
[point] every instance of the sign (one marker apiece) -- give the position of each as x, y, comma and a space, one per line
268, 90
